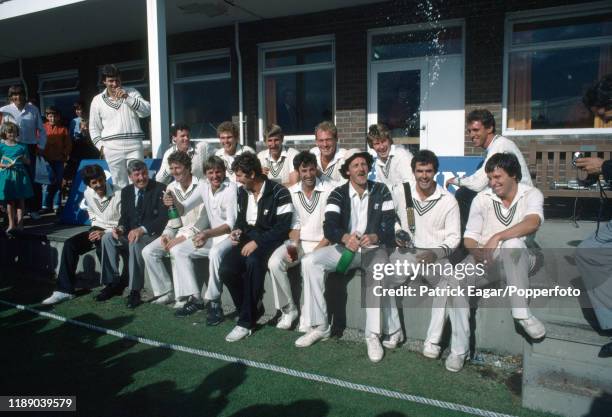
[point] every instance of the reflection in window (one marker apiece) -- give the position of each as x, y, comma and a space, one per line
414, 44
59, 90
202, 93
399, 97
546, 84
298, 85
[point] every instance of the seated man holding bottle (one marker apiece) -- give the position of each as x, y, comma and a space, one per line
179, 229
358, 214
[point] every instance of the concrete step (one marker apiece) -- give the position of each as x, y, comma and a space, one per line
562, 373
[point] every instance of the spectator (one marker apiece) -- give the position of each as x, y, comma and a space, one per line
56, 153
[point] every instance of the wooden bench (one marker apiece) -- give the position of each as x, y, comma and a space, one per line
553, 163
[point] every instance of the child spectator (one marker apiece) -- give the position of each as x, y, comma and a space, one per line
15, 185
56, 153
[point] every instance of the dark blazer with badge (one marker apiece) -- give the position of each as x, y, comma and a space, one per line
381, 214
154, 214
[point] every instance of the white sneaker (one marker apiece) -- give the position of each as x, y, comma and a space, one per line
454, 363
312, 336
375, 350
287, 319
238, 333
431, 351
394, 340
167, 298
57, 297
302, 327
180, 303
533, 327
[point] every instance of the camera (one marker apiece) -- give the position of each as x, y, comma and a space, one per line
577, 155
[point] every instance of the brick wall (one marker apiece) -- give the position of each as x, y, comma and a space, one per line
484, 22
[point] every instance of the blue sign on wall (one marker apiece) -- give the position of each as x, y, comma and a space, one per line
74, 212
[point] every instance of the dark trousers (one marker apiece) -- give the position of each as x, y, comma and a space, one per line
244, 277
74, 247
33, 203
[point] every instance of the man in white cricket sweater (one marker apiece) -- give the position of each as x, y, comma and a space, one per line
277, 160
481, 129
436, 234
230, 148
309, 197
501, 219
180, 139
183, 186
329, 156
391, 162
114, 124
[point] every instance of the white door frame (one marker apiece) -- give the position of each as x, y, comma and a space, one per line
421, 64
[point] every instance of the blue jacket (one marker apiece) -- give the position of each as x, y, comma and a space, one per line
381, 214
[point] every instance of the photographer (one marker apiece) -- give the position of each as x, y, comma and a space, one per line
593, 256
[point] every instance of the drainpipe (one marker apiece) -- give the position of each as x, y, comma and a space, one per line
240, 101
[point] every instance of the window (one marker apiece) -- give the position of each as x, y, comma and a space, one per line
419, 43
61, 90
297, 85
552, 59
202, 91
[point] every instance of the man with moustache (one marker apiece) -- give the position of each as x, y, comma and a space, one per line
143, 218
180, 139
277, 160
435, 221
230, 148
218, 196
263, 222
114, 124
501, 219
481, 130
103, 203
329, 156
183, 186
309, 196
358, 214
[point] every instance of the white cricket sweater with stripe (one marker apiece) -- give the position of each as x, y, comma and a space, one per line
396, 169
332, 171
436, 219
117, 119
488, 215
103, 212
280, 169
309, 214
198, 154
190, 217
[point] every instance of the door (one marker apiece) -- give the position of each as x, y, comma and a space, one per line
397, 99
422, 102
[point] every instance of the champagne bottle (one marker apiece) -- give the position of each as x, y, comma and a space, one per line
174, 217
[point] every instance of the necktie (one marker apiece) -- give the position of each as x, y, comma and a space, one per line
139, 201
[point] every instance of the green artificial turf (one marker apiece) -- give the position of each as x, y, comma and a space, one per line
115, 377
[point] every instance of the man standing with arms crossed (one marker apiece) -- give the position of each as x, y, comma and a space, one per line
114, 124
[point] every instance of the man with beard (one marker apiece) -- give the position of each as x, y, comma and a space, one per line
358, 215
103, 203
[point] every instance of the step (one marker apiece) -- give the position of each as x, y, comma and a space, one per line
562, 373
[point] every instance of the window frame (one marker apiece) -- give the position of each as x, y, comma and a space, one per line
174, 60
63, 92
542, 15
263, 48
